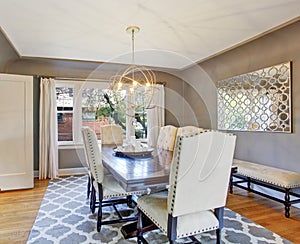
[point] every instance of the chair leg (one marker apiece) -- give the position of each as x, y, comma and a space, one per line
99, 215
172, 228
139, 227
140, 238
93, 200
219, 212
89, 187
219, 238
130, 201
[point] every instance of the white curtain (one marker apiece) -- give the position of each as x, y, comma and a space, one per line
48, 160
156, 115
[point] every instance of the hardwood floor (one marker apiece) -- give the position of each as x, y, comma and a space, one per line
267, 213
18, 211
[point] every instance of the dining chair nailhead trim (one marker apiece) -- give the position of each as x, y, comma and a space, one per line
197, 232
178, 235
176, 174
123, 194
153, 220
93, 157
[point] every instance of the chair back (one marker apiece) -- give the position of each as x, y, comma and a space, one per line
166, 137
188, 130
111, 135
93, 153
200, 172
84, 146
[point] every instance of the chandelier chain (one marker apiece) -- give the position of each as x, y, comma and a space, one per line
132, 38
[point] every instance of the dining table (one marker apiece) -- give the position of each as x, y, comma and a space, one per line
136, 173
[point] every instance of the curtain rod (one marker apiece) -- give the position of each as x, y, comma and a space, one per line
81, 79
89, 79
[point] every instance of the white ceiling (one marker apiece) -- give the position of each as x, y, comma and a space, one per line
174, 33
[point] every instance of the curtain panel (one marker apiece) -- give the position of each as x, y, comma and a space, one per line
156, 115
48, 149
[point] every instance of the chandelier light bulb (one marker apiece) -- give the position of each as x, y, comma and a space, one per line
119, 85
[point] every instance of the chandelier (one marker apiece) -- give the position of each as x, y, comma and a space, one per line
138, 81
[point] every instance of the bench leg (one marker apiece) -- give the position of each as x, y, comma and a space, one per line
231, 183
233, 171
249, 183
287, 203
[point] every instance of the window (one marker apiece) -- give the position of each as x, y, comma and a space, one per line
92, 104
64, 101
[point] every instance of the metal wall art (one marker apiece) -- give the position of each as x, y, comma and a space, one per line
256, 101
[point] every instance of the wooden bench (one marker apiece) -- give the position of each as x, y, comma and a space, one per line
273, 178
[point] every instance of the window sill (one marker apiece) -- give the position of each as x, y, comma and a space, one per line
70, 145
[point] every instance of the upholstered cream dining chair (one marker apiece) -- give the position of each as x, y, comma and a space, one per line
111, 135
188, 130
166, 137
199, 178
88, 166
104, 187
109, 132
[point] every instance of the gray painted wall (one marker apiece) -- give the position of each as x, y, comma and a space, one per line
36, 114
275, 149
7, 53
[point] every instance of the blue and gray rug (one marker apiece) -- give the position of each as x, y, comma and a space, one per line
65, 218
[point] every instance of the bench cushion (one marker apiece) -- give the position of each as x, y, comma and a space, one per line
275, 176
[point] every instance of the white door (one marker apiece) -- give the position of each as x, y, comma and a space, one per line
16, 132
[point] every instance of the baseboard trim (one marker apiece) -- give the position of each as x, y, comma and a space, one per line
72, 171
66, 172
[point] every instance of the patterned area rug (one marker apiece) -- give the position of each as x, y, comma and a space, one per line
65, 217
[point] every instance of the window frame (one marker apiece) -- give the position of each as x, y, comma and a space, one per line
78, 86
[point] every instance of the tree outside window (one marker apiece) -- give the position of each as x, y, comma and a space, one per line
86, 104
